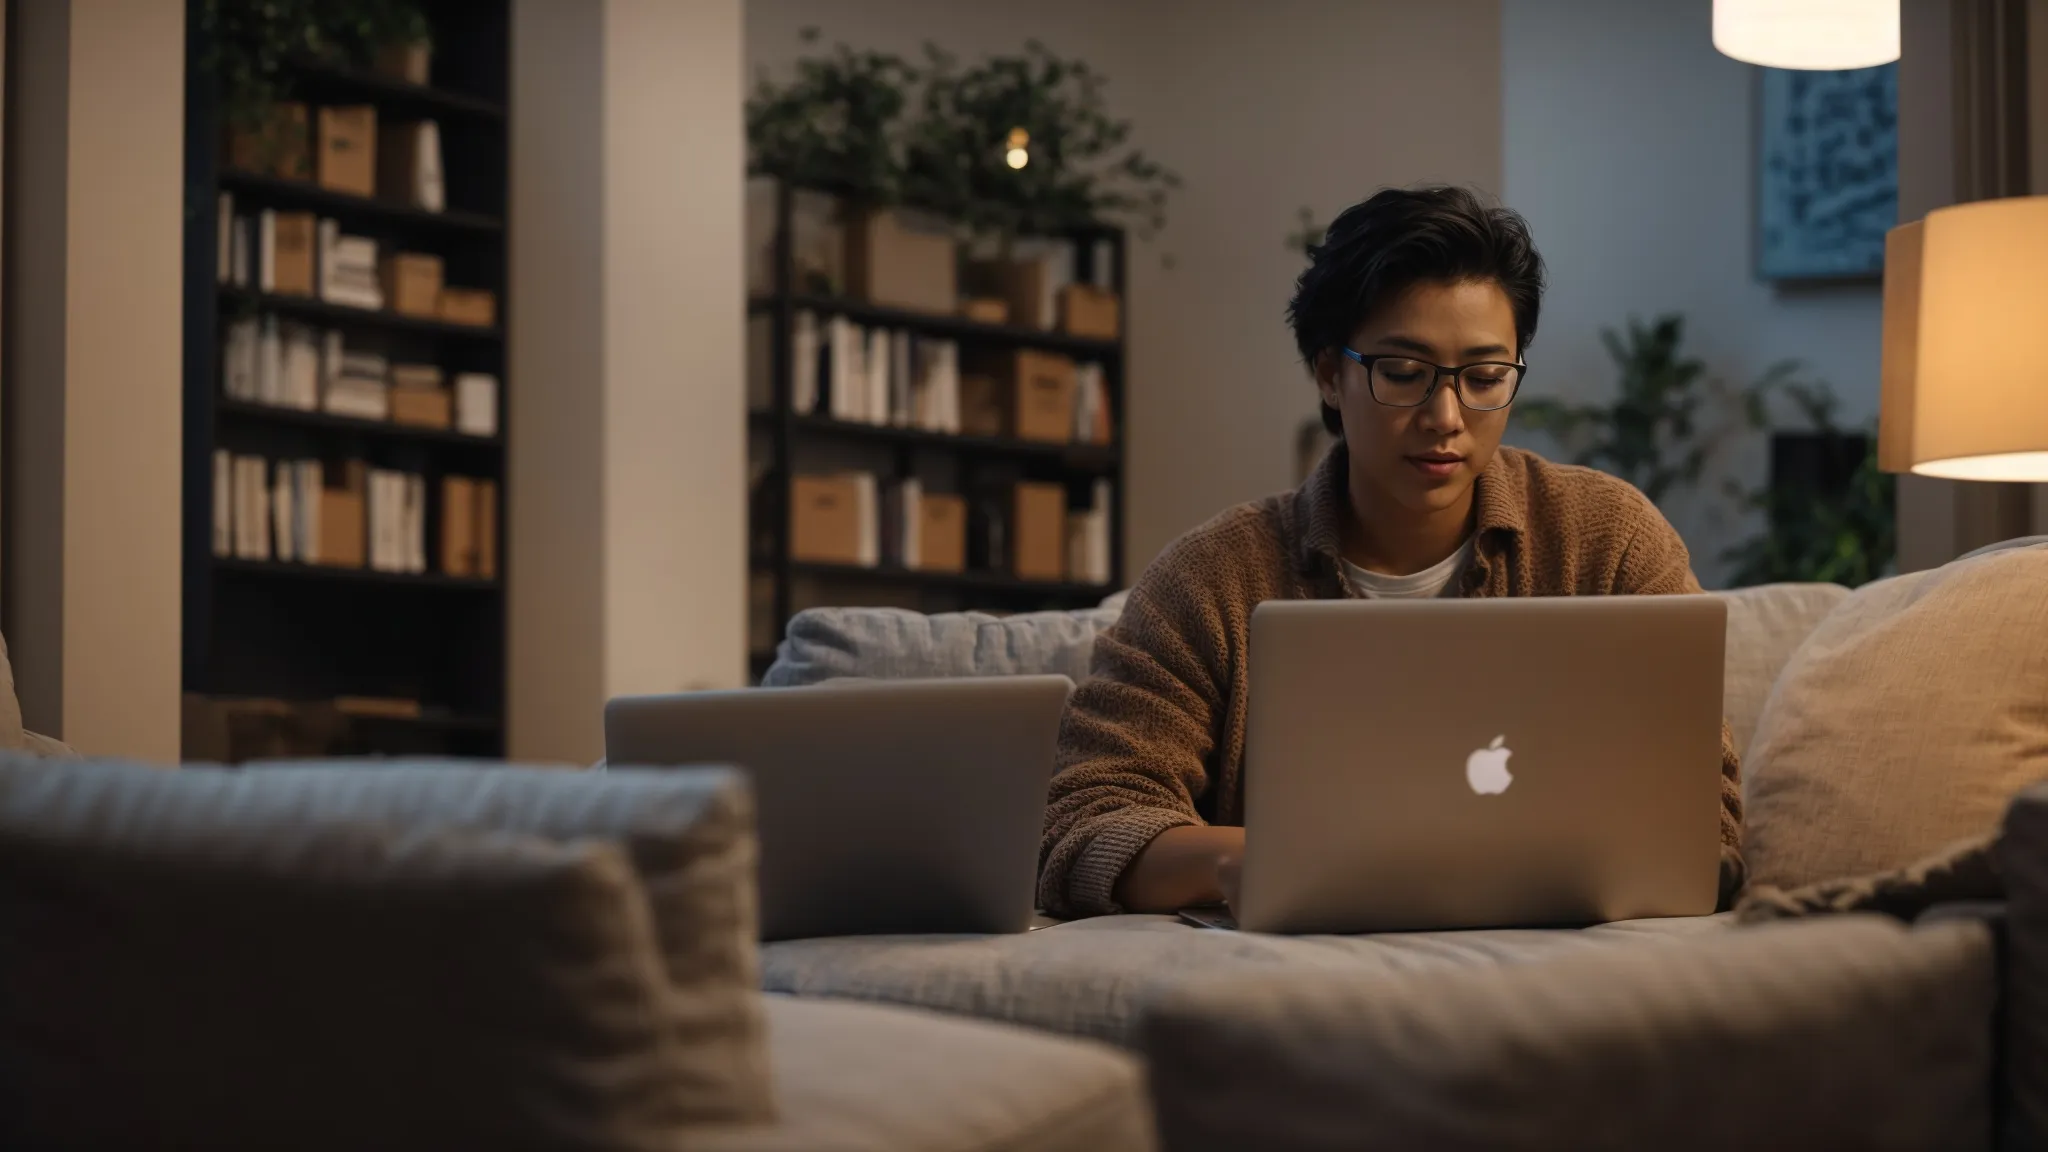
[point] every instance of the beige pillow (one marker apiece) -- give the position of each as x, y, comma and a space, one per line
1766, 624
1906, 722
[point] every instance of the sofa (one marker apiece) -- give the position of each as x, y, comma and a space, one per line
1831, 1032
434, 956
1095, 977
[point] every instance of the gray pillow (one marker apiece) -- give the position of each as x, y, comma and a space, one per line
894, 644
432, 957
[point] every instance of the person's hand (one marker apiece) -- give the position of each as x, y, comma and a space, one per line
1182, 868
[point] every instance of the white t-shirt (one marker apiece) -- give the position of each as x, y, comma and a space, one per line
1431, 581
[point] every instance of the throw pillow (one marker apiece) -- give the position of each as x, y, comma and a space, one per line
893, 644
1766, 624
1906, 722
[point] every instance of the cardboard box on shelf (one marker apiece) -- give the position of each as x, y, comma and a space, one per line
487, 529
902, 259
348, 149
986, 310
1038, 531
458, 526
281, 146
476, 306
825, 519
418, 407
1041, 387
1086, 310
342, 537
412, 284
293, 236
942, 534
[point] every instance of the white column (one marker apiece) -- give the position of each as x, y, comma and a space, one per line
96, 226
626, 376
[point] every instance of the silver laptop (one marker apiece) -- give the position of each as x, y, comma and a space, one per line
906, 806
1418, 764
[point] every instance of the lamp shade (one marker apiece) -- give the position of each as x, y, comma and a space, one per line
1814, 35
1965, 377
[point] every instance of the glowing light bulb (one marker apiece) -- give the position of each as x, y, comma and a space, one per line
1017, 157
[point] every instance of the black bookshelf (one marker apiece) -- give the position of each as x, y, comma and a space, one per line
971, 466
307, 634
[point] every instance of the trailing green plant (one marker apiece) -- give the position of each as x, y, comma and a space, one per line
1847, 537
837, 124
1077, 168
253, 45
1666, 416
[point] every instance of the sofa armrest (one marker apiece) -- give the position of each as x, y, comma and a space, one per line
1849, 1032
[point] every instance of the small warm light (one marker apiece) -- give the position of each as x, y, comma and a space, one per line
1812, 35
1963, 397
1017, 157
1019, 138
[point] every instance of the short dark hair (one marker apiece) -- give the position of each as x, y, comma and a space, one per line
1405, 236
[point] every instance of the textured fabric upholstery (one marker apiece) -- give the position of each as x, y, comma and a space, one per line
859, 1078
1905, 724
430, 957
1846, 1033
2023, 862
893, 644
1095, 977
1766, 624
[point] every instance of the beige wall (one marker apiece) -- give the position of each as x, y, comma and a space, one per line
627, 541
94, 356
1262, 109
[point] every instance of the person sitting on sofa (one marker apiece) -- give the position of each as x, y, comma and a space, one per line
1414, 317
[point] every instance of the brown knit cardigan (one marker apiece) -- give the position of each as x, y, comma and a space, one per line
1155, 738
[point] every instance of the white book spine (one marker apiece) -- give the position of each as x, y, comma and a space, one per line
913, 521
429, 191
259, 484
269, 363
266, 250
416, 523
283, 506
223, 502
309, 511
803, 373
949, 388
901, 379
476, 403
881, 357
870, 521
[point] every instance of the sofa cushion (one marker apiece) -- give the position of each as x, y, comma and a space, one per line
1766, 624
247, 978
894, 644
2022, 854
1904, 724
1853, 1032
1094, 977
859, 1078
233, 843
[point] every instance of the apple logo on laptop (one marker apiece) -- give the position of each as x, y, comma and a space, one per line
1487, 769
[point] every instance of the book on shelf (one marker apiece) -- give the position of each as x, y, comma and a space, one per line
283, 512
267, 510
1088, 538
224, 238
879, 377
348, 272
223, 502
409, 165
476, 403
1092, 419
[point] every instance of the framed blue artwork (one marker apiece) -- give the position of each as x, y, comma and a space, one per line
1827, 172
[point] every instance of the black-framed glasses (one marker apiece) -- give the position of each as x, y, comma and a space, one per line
1405, 382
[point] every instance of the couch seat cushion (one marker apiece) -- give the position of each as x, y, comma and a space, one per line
1094, 977
1849, 1032
861, 1078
